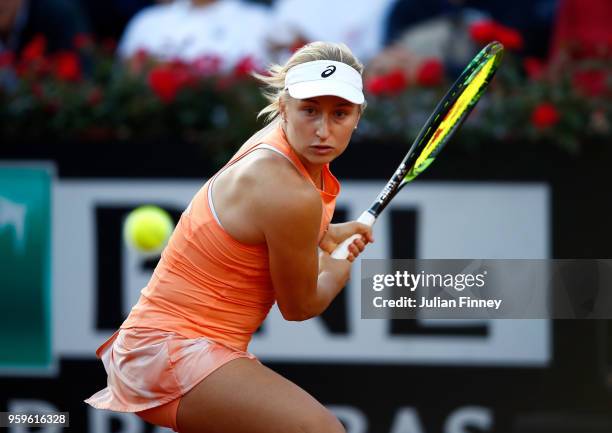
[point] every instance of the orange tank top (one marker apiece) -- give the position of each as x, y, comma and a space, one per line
208, 284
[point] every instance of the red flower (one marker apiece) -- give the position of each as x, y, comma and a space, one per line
167, 80
163, 83
33, 58
509, 38
376, 85
483, 32
67, 66
534, 68
391, 83
35, 49
183, 72
396, 81
82, 41
545, 115
207, 65
430, 73
245, 66
590, 82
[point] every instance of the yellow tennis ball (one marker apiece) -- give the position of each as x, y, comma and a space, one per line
147, 229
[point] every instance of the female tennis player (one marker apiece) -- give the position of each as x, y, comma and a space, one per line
249, 237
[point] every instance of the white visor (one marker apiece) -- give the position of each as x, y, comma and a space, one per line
325, 77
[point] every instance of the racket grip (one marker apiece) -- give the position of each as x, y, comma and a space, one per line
341, 251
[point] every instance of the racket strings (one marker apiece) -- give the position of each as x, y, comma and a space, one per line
467, 99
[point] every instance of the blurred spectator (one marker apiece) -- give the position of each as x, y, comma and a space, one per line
418, 30
230, 30
583, 30
59, 21
357, 23
532, 18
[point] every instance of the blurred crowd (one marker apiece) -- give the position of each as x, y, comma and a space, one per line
143, 69
386, 35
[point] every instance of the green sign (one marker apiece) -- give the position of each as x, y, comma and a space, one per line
25, 305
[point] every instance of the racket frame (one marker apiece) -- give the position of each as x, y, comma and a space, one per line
394, 185
492, 51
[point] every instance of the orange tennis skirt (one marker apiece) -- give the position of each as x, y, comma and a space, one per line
149, 370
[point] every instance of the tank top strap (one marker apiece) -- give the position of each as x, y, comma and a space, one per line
209, 186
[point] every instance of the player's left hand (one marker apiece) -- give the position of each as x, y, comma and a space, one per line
336, 233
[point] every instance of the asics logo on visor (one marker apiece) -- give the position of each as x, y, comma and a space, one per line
328, 71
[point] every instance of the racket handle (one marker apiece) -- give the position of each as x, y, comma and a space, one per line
341, 251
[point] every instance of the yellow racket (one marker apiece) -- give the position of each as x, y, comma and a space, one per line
448, 116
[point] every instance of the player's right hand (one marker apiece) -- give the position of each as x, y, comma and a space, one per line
336, 233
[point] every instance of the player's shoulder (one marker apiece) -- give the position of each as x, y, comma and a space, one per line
276, 181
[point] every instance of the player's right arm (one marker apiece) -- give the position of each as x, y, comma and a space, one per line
287, 210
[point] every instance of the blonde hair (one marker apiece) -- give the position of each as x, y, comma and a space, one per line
275, 81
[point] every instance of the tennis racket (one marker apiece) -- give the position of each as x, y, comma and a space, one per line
448, 116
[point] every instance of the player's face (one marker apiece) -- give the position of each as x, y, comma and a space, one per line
319, 128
